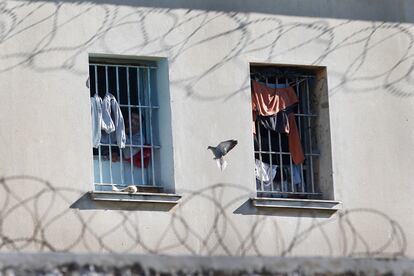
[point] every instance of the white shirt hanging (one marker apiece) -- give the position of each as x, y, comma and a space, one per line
107, 116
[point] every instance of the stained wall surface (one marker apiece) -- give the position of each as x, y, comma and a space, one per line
46, 164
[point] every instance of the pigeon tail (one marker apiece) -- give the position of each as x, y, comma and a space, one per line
221, 163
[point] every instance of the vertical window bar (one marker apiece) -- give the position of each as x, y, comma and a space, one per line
120, 150
302, 180
290, 155
270, 156
109, 135
99, 147
280, 150
140, 128
258, 130
150, 125
310, 137
270, 148
130, 130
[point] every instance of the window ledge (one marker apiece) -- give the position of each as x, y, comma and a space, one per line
158, 198
308, 204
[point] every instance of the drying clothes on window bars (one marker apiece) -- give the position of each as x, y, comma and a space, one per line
107, 116
274, 108
266, 173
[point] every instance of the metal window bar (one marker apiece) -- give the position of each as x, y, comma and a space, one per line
139, 106
270, 148
130, 126
150, 124
109, 135
270, 156
120, 150
281, 167
292, 185
260, 154
123, 66
299, 116
140, 127
304, 112
99, 147
145, 111
310, 137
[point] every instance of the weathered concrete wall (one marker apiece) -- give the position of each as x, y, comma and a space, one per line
46, 156
119, 264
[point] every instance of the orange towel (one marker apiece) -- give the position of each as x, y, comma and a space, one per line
268, 101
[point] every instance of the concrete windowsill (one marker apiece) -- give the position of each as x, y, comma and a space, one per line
140, 197
308, 204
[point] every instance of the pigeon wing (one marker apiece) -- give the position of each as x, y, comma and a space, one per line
216, 152
227, 146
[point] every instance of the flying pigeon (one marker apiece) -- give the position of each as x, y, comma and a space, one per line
221, 150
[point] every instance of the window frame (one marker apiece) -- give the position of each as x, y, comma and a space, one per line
142, 65
322, 197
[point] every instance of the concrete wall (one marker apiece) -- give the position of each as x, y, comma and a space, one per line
46, 163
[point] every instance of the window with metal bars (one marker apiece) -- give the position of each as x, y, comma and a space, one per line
288, 132
131, 86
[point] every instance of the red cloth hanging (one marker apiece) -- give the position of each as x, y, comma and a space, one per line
137, 160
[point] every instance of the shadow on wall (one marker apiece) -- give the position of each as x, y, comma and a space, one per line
39, 219
382, 10
354, 49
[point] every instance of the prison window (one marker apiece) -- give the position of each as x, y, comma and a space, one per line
127, 148
289, 132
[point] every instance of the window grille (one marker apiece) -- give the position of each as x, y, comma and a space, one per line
134, 87
290, 180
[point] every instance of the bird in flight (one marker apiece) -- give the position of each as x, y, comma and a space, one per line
221, 150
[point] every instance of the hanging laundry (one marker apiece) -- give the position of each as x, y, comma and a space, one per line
112, 119
296, 176
107, 116
295, 145
269, 102
264, 172
107, 124
278, 122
